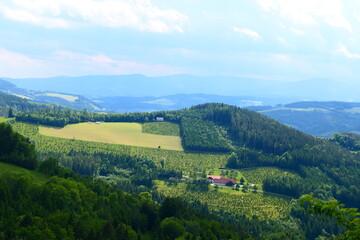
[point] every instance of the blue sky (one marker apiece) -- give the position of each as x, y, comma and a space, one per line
267, 39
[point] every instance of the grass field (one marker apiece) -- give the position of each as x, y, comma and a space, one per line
115, 133
4, 167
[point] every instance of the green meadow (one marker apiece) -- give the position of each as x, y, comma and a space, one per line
4, 167
115, 133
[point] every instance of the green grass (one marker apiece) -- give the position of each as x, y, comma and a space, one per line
161, 128
4, 167
115, 133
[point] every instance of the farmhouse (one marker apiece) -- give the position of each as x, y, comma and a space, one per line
159, 119
212, 177
217, 180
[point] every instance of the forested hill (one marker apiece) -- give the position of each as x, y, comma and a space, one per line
327, 168
206, 127
252, 139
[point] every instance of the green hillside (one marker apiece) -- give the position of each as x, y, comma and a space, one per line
45, 97
285, 163
68, 206
8, 168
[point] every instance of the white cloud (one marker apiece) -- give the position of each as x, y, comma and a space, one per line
69, 63
254, 35
309, 12
136, 14
342, 49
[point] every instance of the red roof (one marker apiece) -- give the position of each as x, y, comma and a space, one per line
213, 177
225, 181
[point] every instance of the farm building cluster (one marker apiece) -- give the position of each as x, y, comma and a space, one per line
98, 122
217, 180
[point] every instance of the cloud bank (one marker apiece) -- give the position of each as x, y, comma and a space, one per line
309, 12
134, 14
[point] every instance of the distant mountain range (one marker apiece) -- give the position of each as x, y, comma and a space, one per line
142, 86
321, 119
175, 102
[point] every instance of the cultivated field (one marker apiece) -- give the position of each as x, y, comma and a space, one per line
263, 206
115, 133
257, 175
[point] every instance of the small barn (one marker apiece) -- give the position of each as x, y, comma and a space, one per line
159, 119
217, 180
212, 177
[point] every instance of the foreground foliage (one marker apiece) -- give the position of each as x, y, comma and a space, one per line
16, 149
348, 217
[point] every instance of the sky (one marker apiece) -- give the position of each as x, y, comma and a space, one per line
286, 40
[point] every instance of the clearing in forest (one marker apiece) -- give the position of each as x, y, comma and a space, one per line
5, 167
115, 133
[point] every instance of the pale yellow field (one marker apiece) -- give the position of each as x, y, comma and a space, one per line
69, 98
116, 133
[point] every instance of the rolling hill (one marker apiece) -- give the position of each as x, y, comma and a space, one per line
322, 119
49, 97
218, 139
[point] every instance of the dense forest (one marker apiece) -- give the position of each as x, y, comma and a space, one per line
16, 149
350, 141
